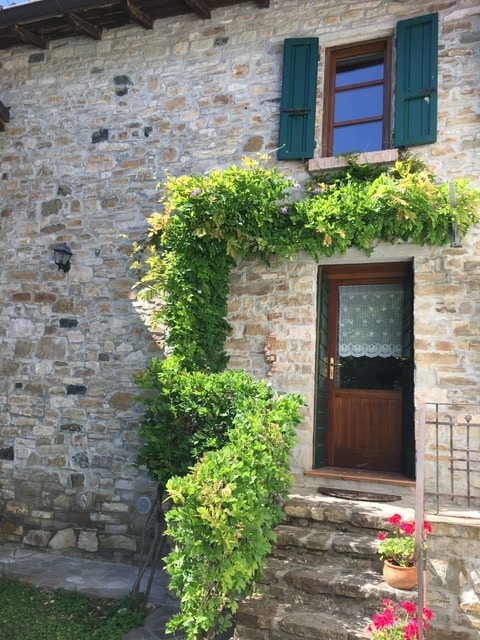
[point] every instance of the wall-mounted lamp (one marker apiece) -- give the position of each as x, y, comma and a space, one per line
62, 255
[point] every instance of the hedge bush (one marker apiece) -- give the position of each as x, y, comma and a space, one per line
224, 512
188, 413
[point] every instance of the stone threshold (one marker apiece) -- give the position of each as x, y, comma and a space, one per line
383, 481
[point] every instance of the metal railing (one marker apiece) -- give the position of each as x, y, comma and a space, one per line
447, 472
451, 457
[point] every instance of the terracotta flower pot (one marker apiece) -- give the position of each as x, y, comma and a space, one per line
399, 577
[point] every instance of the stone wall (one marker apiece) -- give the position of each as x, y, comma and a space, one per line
453, 585
94, 126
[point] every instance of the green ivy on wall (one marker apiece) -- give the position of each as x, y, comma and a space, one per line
209, 221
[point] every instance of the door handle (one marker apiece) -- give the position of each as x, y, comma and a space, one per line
331, 369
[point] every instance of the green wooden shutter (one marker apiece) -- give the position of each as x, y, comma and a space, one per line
416, 81
299, 90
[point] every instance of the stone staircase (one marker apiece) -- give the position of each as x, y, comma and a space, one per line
323, 579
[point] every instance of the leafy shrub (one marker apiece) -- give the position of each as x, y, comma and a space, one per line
189, 412
224, 512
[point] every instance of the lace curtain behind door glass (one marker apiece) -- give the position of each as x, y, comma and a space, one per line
370, 320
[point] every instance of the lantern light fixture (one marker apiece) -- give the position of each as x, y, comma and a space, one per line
62, 255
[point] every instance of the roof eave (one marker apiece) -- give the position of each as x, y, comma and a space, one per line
31, 11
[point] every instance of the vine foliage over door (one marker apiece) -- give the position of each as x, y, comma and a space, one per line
209, 221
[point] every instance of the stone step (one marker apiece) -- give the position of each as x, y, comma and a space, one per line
321, 543
338, 586
258, 620
344, 515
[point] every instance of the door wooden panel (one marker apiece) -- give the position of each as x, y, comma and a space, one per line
368, 431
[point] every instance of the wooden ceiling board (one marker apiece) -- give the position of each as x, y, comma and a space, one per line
105, 16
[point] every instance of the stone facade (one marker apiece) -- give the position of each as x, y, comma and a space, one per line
94, 126
453, 587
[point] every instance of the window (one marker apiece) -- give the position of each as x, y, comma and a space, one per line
358, 93
357, 107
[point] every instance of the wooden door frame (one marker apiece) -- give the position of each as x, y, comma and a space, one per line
382, 273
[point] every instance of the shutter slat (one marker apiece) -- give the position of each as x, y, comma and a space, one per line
299, 89
416, 81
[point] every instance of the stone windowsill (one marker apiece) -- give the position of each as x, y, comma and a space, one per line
324, 165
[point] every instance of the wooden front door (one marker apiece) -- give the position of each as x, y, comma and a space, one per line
364, 403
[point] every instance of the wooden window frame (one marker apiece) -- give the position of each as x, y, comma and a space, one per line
332, 55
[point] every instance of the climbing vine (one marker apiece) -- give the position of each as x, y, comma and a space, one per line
209, 221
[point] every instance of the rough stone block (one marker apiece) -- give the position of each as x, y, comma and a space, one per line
37, 538
312, 624
88, 541
49, 348
64, 539
118, 542
256, 612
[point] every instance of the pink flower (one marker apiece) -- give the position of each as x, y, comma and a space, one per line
381, 535
410, 631
427, 527
395, 519
409, 607
384, 619
408, 528
395, 622
427, 613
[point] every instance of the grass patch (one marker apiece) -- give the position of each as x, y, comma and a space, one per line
31, 613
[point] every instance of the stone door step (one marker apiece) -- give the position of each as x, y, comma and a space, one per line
292, 621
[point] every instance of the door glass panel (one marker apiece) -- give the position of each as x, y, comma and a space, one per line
370, 333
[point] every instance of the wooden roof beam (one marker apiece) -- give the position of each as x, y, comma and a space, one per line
29, 37
4, 116
137, 15
200, 7
85, 27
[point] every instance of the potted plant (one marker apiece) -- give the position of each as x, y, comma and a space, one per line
397, 550
398, 621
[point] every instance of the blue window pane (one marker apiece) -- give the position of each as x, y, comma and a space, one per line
355, 104
357, 71
358, 138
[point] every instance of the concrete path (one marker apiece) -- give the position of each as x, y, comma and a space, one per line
100, 579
